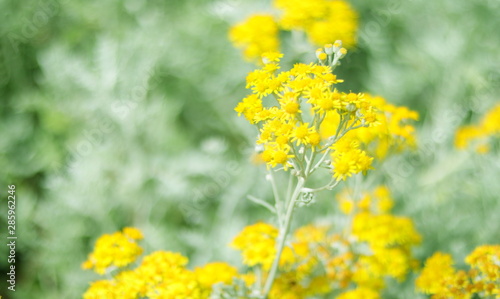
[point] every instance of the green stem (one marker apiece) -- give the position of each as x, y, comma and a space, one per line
263, 203
321, 160
310, 163
282, 236
297, 159
332, 184
277, 197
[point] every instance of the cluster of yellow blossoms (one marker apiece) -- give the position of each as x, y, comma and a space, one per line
258, 245
324, 21
389, 239
478, 136
310, 117
316, 261
350, 264
160, 275
114, 251
442, 280
257, 35
392, 133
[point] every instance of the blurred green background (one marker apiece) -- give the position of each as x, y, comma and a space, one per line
120, 113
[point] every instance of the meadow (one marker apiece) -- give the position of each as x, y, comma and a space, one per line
122, 114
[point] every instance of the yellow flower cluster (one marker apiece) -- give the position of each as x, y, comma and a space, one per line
216, 272
348, 159
316, 262
477, 136
116, 250
389, 131
160, 275
390, 247
257, 243
287, 132
256, 35
324, 21
389, 239
392, 131
297, 264
442, 280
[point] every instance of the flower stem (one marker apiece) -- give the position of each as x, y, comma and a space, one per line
282, 236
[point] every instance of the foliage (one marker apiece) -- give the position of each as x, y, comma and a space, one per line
120, 114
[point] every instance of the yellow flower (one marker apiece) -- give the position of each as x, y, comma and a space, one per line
275, 154
163, 276
115, 250
323, 21
378, 230
343, 166
301, 134
216, 272
438, 268
387, 128
349, 162
256, 35
257, 243
250, 107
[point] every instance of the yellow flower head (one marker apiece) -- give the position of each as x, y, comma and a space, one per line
257, 243
438, 269
216, 272
324, 21
115, 250
305, 102
256, 35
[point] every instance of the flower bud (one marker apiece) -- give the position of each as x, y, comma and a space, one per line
337, 45
320, 53
341, 53
329, 49
351, 107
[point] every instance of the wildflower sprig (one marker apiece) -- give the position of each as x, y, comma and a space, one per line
305, 100
290, 109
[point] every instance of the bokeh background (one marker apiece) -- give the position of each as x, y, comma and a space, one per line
120, 113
